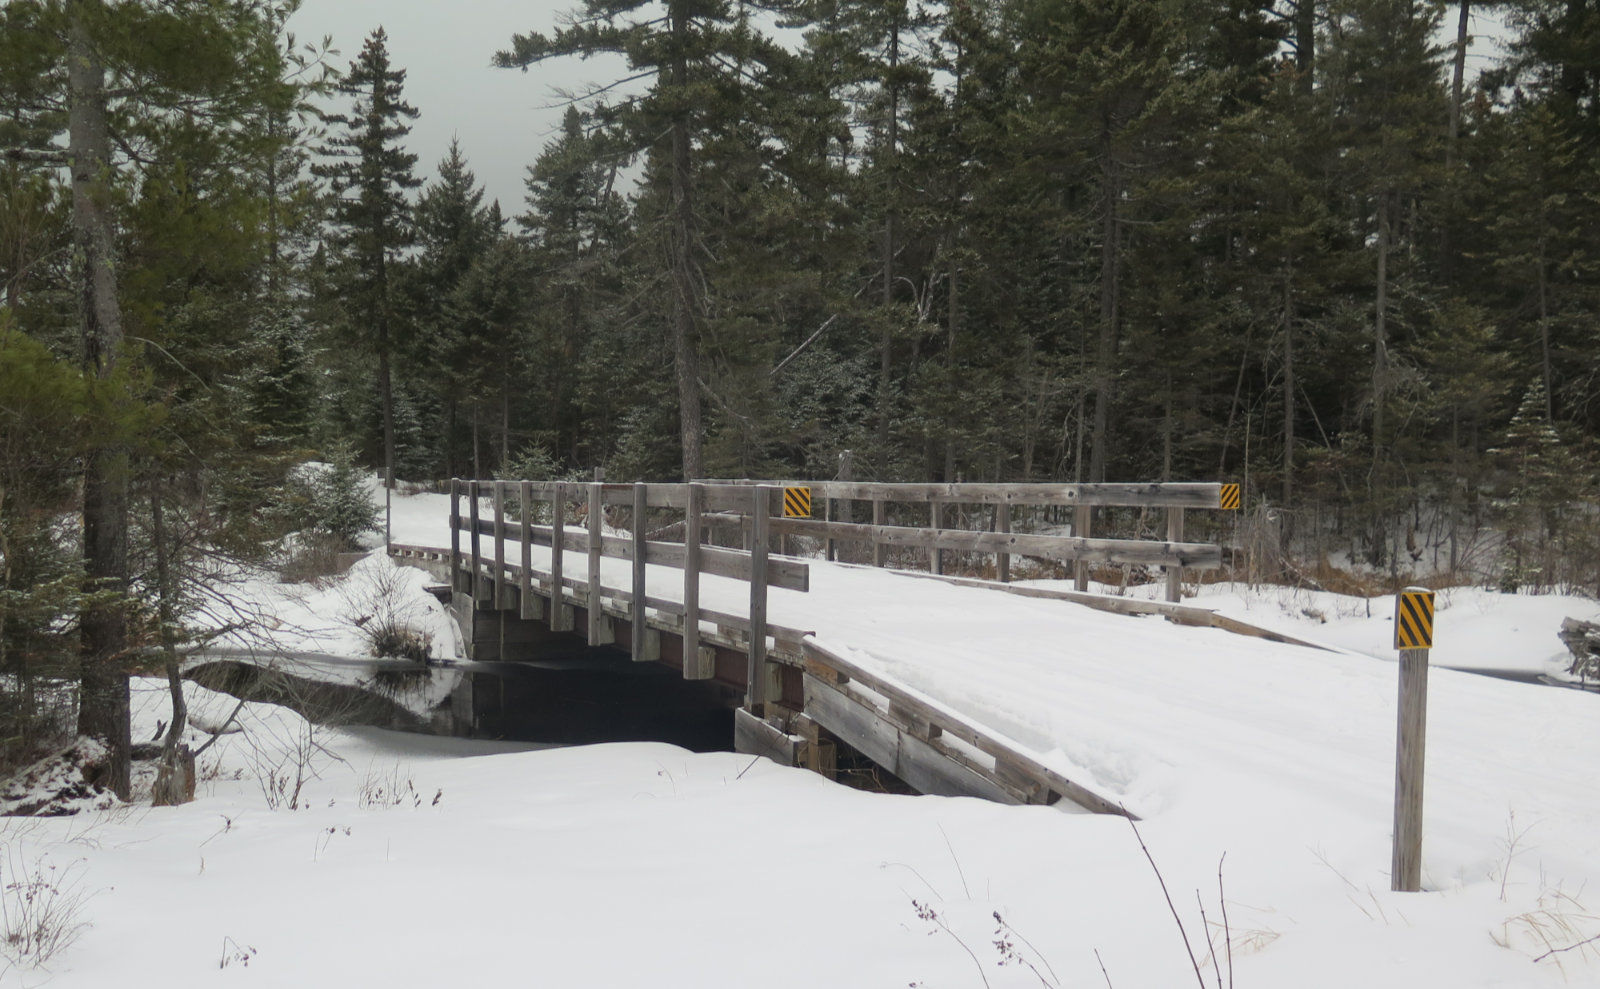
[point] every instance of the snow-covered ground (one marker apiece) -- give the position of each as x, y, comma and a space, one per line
629, 865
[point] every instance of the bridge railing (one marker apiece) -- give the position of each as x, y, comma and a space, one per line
1080, 549
504, 513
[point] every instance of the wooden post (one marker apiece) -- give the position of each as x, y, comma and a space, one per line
935, 520
558, 537
1175, 573
1080, 527
476, 543
599, 631
455, 534
640, 584
696, 665
1002, 523
880, 552
756, 669
827, 516
531, 606
1412, 636
499, 544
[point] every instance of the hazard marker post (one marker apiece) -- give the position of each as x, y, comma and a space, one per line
796, 503
1413, 637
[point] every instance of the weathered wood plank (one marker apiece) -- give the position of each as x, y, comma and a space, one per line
818, 657
787, 573
455, 535
1185, 494
599, 628
559, 615
760, 533
695, 661
1002, 560
1175, 573
922, 765
532, 605
641, 501
1201, 556
1082, 527
880, 552
478, 583
753, 736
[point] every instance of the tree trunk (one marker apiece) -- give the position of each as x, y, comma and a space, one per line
1380, 337
1305, 43
449, 437
103, 700
1544, 335
685, 295
175, 778
891, 152
1109, 271
1288, 387
385, 378
1380, 374
477, 457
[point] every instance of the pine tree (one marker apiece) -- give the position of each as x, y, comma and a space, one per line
368, 174
699, 57
453, 232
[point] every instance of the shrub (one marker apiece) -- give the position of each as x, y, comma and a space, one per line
334, 501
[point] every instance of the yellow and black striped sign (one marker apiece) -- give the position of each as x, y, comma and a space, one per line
796, 503
1413, 619
1229, 497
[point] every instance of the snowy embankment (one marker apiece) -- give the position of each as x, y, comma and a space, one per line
630, 865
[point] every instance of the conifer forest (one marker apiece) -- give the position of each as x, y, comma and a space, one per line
1303, 245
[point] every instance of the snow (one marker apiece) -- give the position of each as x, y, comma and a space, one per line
644, 864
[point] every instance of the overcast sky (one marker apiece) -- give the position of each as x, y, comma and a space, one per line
502, 117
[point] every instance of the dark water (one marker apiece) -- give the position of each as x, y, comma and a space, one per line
601, 697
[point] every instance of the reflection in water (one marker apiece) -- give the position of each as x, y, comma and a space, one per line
601, 698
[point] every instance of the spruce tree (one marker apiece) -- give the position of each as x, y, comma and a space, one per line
699, 57
368, 174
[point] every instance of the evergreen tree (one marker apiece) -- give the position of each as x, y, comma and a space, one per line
453, 232
699, 57
368, 174
108, 89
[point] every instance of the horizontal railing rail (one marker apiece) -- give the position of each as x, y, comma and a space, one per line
1080, 549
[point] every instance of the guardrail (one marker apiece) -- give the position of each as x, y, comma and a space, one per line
504, 512
490, 572
1080, 548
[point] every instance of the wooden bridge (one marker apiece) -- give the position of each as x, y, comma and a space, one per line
682, 574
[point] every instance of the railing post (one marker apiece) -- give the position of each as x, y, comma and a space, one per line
599, 629
455, 534
935, 522
529, 606
827, 516
558, 539
695, 666
880, 552
1002, 560
1081, 524
1175, 573
636, 617
499, 544
476, 542
756, 669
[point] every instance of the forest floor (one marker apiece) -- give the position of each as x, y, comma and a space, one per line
1263, 774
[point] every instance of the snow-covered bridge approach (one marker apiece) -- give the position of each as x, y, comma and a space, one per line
957, 686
